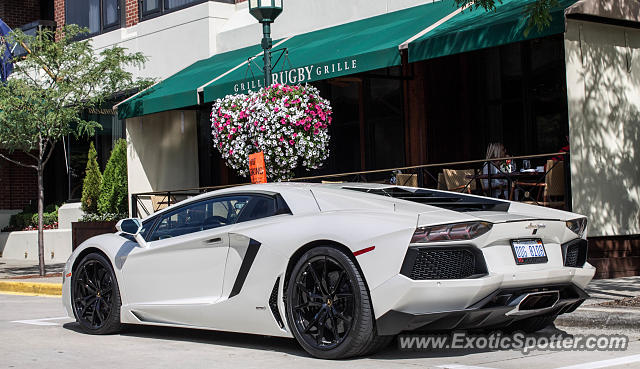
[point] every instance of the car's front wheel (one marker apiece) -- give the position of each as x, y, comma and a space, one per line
328, 306
95, 296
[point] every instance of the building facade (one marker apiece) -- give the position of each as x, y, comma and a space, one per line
442, 99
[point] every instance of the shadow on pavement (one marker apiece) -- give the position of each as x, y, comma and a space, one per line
289, 345
20, 271
615, 288
229, 339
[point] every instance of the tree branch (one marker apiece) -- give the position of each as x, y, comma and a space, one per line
30, 155
53, 145
18, 163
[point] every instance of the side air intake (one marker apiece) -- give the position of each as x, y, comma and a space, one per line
273, 303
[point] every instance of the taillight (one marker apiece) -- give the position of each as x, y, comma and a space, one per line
577, 226
451, 232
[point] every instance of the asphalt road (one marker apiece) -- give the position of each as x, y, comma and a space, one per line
35, 333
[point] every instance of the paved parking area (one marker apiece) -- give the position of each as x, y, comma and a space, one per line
35, 333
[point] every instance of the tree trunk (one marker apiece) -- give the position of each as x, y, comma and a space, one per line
40, 219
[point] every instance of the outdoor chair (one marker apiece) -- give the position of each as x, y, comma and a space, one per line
405, 179
551, 191
456, 180
159, 202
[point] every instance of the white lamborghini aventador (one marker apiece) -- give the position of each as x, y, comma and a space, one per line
342, 268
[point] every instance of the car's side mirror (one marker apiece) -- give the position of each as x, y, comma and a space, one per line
132, 226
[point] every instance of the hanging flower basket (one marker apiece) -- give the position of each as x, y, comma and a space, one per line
288, 123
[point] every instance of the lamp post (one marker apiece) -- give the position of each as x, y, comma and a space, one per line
266, 11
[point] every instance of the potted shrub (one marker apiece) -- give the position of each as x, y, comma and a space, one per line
101, 200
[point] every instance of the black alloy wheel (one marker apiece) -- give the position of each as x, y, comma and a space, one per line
328, 306
323, 302
95, 296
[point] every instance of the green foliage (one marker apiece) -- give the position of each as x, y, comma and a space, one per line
114, 189
91, 183
537, 13
49, 217
50, 88
21, 220
29, 219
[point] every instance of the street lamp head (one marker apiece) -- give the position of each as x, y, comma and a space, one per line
265, 11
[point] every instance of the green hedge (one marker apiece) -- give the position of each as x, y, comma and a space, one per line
27, 218
114, 191
91, 183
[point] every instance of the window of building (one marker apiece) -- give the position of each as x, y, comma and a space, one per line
97, 15
153, 8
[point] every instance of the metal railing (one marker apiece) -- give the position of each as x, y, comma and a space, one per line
480, 182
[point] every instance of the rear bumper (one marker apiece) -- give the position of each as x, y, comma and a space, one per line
497, 310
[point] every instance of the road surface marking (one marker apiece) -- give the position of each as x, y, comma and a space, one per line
459, 366
43, 321
605, 363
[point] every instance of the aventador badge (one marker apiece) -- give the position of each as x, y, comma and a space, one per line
535, 227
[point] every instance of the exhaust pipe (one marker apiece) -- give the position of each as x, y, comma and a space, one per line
534, 302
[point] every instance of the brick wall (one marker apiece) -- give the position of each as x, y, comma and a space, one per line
132, 16
58, 11
16, 13
18, 185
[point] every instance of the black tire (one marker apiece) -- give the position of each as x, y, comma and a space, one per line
95, 296
328, 306
533, 324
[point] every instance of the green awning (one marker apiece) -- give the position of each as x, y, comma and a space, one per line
355, 47
479, 29
360, 46
179, 90
435, 29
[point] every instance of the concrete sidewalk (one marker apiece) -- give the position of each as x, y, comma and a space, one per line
21, 276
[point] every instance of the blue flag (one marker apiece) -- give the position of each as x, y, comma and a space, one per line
6, 67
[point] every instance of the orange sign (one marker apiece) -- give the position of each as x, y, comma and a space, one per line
257, 168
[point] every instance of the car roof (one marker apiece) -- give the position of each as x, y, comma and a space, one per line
272, 188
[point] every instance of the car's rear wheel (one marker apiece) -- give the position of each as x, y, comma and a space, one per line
328, 306
95, 296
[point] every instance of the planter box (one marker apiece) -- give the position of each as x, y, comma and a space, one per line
82, 231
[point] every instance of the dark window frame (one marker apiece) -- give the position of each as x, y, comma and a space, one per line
281, 208
164, 9
120, 18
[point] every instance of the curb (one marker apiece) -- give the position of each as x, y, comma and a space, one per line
49, 289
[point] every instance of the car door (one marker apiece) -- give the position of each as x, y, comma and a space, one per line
183, 266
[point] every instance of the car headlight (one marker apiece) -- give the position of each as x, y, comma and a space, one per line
451, 232
577, 226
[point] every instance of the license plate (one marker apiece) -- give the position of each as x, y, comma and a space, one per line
529, 251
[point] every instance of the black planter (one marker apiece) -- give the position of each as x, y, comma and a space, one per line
82, 231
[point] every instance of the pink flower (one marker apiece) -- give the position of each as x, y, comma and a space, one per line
291, 142
315, 131
276, 109
281, 138
294, 135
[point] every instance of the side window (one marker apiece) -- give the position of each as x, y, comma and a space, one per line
199, 216
257, 208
